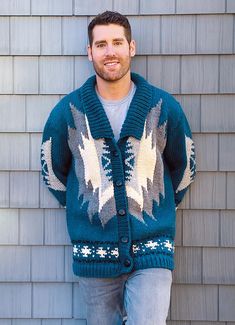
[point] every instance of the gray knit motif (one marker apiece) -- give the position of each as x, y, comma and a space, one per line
145, 181
95, 183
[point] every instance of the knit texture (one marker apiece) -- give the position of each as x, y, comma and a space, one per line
120, 197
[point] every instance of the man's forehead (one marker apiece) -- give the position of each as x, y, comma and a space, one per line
108, 31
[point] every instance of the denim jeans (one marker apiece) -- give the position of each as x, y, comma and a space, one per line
141, 297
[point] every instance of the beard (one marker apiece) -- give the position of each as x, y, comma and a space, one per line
115, 75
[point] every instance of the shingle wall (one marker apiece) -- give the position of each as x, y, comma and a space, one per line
184, 46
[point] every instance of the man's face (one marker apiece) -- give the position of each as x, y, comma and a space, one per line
110, 52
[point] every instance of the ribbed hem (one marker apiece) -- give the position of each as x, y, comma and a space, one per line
155, 261
112, 270
96, 270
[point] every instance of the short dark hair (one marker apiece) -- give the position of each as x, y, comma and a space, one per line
110, 17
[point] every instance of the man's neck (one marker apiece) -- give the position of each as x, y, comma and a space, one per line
114, 90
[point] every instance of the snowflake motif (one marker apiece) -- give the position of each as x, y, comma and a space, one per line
75, 250
100, 251
86, 251
151, 244
115, 252
168, 245
135, 248
112, 252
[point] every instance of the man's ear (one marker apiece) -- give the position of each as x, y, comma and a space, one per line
89, 52
132, 48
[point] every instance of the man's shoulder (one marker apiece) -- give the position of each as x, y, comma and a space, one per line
166, 97
170, 107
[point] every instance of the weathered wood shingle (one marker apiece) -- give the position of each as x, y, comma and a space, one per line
52, 300
9, 230
201, 228
214, 34
209, 191
178, 34
199, 74
194, 302
56, 75
25, 35
15, 7
15, 300
13, 116
4, 35
52, 7
15, 151
200, 6
164, 72
91, 7
157, 7
217, 113
6, 81
51, 36
26, 75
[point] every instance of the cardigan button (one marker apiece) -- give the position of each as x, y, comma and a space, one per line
121, 212
124, 239
127, 262
115, 153
119, 183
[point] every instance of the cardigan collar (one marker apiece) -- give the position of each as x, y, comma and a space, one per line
134, 123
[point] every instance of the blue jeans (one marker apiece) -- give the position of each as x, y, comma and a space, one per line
142, 297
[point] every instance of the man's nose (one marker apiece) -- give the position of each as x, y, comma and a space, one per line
110, 50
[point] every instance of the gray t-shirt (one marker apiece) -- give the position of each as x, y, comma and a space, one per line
116, 110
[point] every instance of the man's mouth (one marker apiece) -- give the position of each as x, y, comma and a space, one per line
111, 63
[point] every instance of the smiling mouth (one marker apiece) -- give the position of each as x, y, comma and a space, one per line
111, 64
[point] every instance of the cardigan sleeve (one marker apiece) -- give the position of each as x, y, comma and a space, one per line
55, 155
180, 155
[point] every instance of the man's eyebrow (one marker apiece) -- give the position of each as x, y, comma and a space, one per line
101, 41
120, 39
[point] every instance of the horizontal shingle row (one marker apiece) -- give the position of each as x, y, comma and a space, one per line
24, 189
201, 74
195, 228
182, 34
92, 7
42, 321
208, 265
199, 303
33, 227
21, 151
45, 75
61, 300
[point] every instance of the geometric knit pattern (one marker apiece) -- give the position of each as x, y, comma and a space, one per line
110, 251
144, 167
93, 169
190, 169
47, 170
145, 172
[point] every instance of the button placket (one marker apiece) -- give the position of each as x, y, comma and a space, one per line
121, 207
119, 183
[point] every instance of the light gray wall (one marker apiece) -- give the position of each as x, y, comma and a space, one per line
184, 46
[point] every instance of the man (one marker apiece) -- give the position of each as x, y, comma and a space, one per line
118, 153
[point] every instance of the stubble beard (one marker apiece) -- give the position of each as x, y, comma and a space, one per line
113, 76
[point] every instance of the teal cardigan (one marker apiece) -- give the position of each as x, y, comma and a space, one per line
120, 197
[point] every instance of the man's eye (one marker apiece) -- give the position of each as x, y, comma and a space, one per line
118, 43
100, 45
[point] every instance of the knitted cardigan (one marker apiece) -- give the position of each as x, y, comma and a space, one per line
120, 197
